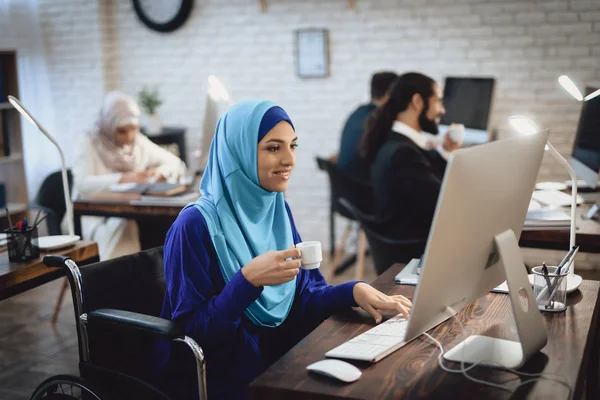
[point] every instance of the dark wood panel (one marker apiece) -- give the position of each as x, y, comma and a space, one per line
124, 209
413, 372
588, 236
18, 277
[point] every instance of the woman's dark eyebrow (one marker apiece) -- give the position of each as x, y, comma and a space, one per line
280, 141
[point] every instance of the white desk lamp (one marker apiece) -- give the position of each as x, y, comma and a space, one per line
526, 126
574, 91
69, 206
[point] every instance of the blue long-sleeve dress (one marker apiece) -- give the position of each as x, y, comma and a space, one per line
236, 350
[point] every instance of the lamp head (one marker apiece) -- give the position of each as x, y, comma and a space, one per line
216, 90
570, 87
23, 111
523, 125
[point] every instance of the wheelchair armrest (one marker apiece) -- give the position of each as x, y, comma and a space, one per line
136, 321
55, 261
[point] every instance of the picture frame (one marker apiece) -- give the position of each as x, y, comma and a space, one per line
312, 53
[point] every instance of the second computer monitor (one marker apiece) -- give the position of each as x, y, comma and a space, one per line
585, 159
468, 101
485, 192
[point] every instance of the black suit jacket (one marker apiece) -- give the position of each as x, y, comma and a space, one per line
406, 183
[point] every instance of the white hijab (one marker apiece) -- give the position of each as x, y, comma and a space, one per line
118, 109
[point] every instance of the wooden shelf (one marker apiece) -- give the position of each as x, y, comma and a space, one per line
11, 159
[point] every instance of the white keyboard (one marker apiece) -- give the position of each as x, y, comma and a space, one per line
374, 344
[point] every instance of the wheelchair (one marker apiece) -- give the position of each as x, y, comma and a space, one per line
117, 303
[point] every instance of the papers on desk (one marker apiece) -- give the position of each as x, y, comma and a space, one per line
551, 218
182, 199
136, 192
554, 198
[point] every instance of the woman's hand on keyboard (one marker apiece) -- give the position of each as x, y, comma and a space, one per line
371, 300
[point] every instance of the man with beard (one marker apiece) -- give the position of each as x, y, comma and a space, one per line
406, 172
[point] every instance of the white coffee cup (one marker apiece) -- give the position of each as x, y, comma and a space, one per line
457, 132
311, 255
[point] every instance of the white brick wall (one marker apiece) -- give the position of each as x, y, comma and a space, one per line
524, 44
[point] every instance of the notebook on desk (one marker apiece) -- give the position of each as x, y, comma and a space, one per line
130, 192
411, 273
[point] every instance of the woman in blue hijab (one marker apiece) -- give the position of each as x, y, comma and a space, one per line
231, 269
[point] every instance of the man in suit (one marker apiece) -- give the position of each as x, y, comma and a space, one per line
407, 169
349, 160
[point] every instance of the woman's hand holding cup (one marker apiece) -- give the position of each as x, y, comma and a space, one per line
273, 268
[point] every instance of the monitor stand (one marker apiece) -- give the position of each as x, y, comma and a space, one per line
530, 326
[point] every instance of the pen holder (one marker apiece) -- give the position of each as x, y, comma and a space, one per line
550, 289
22, 245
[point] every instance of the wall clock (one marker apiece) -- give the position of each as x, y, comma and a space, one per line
164, 15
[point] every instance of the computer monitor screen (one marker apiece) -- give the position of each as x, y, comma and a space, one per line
485, 192
468, 101
586, 148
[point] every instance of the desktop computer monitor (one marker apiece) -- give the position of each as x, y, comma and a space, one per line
217, 103
585, 159
486, 191
468, 101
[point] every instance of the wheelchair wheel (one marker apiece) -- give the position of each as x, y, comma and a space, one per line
66, 387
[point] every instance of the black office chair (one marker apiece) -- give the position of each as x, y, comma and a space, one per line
51, 200
342, 185
117, 303
385, 251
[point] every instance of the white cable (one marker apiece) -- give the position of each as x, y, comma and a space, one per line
463, 370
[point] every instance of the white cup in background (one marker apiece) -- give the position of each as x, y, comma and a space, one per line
311, 254
457, 132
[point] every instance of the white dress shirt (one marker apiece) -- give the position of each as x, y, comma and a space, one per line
424, 140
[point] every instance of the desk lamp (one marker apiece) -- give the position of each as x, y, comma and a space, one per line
69, 206
574, 91
217, 103
526, 126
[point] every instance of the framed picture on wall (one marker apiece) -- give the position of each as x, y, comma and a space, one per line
312, 53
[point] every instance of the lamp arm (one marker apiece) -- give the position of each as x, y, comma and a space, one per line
68, 204
568, 167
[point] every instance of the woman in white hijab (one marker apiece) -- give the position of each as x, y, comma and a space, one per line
116, 152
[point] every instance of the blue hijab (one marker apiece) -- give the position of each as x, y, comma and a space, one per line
245, 220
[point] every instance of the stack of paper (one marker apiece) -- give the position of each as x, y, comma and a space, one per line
547, 218
554, 198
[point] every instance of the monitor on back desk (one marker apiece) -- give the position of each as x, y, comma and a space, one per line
468, 101
585, 159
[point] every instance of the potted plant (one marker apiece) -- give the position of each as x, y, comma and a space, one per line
149, 102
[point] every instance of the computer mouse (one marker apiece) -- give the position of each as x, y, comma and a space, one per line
336, 369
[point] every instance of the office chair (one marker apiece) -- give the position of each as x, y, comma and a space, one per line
50, 199
117, 303
385, 251
342, 185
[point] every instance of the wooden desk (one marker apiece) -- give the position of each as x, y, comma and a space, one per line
16, 278
588, 236
153, 220
412, 372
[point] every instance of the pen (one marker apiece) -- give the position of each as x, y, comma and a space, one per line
24, 225
546, 277
40, 221
567, 267
564, 260
36, 217
569, 255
